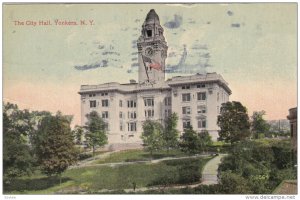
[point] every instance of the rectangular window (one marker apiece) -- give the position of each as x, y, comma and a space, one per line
106, 126
120, 103
92, 95
104, 94
186, 110
92, 104
186, 87
201, 86
201, 96
186, 97
149, 113
105, 103
121, 126
149, 102
186, 123
105, 114
121, 115
132, 126
131, 104
168, 101
132, 115
167, 113
201, 109
202, 123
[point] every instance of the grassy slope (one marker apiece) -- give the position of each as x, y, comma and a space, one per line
97, 178
138, 155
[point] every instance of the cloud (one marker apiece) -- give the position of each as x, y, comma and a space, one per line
101, 46
175, 23
103, 63
199, 46
236, 25
229, 13
110, 53
134, 64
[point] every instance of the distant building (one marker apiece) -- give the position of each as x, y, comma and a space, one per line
293, 122
196, 99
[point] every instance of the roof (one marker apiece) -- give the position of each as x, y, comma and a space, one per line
166, 85
152, 15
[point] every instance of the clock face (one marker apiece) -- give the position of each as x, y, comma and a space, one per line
149, 51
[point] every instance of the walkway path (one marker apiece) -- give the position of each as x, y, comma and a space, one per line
89, 161
210, 171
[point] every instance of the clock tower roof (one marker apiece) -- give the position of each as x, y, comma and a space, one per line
152, 15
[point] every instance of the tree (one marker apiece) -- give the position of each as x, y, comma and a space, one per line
259, 125
77, 133
204, 140
152, 136
190, 142
233, 122
170, 133
96, 133
17, 156
54, 145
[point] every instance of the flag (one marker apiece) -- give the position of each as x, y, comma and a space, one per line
151, 63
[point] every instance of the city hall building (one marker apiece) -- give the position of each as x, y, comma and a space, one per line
196, 99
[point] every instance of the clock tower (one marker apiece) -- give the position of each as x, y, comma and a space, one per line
152, 50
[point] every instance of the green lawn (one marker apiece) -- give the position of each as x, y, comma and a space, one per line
138, 155
93, 179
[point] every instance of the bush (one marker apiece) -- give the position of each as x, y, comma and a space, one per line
84, 156
177, 162
189, 174
167, 179
283, 158
233, 184
220, 149
208, 189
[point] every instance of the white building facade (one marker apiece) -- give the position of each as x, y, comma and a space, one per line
196, 99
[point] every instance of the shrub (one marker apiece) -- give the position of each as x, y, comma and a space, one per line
177, 162
208, 189
233, 184
167, 179
189, 174
283, 157
84, 156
